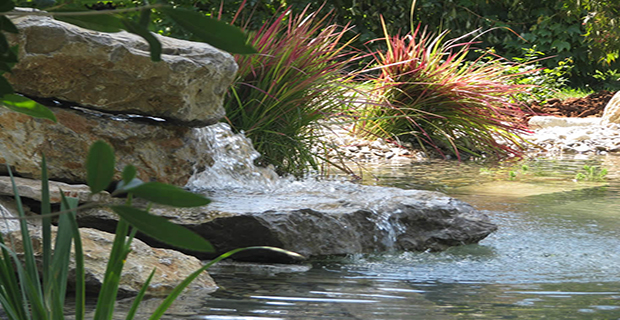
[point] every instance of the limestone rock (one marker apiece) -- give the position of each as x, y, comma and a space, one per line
172, 266
167, 154
326, 219
611, 114
29, 188
539, 122
113, 71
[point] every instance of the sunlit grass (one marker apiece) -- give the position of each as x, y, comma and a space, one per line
429, 94
294, 81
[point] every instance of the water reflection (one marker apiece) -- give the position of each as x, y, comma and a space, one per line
555, 256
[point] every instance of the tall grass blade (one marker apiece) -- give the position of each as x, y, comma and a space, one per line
159, 312
136, 302
12, 298
80, 283
46, 233
61, 257
30, 280
109, 289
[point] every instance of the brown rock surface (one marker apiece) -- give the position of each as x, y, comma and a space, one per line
172, 266
114, 72
164, 153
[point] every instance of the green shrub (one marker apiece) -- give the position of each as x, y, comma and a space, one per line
429, 94
543, 83
294, 81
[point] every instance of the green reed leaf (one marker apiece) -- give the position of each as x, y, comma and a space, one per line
162, 229
26, 106
214, 32
169, 195
129, 173
154, 44
99, 166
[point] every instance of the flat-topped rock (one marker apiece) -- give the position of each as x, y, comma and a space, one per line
113, 72
321, 219
29, 188
172, 267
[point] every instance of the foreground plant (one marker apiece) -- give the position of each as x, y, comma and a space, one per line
429, 94
282, 92
30, 297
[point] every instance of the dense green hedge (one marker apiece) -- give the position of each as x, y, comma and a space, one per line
551, 26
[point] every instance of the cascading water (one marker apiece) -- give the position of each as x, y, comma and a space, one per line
233, 162
235, 184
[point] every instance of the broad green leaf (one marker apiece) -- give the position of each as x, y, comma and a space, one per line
561, 45
154, 44
99, 166
5, 87
103, 22
26, 106
5, 67
7, 25
6, 5
10, 56
4, 44
129, 173
169, 195
162, 229
214, 32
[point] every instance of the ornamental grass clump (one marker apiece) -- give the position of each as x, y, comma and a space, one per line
283, 92
429, 94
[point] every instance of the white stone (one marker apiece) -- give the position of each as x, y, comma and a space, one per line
611, 114
539, 122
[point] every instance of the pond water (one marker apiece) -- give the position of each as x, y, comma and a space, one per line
556, 255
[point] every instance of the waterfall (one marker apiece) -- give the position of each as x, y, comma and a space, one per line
233, 162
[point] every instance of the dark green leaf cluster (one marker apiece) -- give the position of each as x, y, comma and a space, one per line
556, 27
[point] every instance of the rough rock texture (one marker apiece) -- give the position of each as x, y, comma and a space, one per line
172, 266
541, 122
350, 219
612, 110
113, 71
31, 189
164, 153
559, 136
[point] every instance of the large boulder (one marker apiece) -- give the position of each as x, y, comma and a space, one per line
164, 153
172, 267
113, 71
335, 219
611, 114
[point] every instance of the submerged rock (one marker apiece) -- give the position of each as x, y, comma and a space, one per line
113, 72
